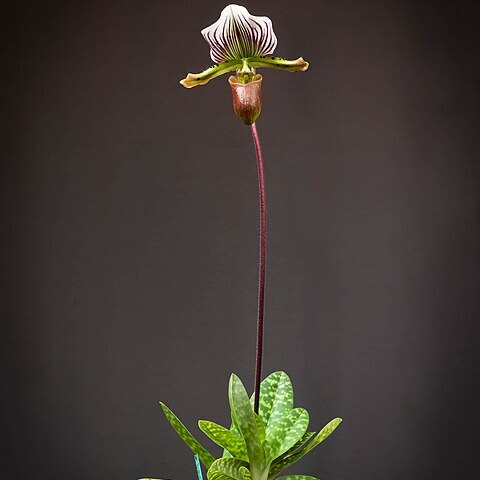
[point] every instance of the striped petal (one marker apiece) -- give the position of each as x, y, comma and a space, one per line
237, 35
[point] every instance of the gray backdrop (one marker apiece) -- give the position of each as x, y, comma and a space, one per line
129, 235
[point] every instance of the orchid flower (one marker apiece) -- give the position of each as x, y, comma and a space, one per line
242, 42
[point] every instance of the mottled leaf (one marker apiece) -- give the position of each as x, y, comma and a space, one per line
216, 475
246, 475
225, 438
234, 430
297, 477
244, 419
295, 432
205, 457
227, 468
226, 453
305, 438
276, 395
286, 433
283, 463
260, 425
262, 433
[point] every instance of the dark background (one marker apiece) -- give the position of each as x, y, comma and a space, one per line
129, 235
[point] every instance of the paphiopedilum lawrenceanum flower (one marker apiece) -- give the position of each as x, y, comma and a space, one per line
241, 43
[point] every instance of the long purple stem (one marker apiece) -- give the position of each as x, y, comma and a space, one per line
261, 267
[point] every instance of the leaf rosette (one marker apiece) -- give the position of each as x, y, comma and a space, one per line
257, 447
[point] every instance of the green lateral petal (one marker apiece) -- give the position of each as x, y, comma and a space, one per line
244, 419
298, 65
276, 396
283, 463
195, 79
286, 432
205, 457
225, 438
227, 468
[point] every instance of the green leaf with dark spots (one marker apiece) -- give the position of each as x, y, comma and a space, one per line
227, 469
297, 477
295, 432
225, 438
226, 453
261, 428
283, 463
244, 419
246, 475
276, 396
305, 438
205, 457
287, 431
261, 433
216, 475
260, 425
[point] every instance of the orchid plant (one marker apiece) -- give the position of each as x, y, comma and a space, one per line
267, 434
257, 446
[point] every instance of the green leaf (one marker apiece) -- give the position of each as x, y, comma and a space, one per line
234, 430
286, 432
225, 438
300, 444
297, 477
204, 455
283, 463
260, 425
276, 396
216, 475
246, 475
261, 433
305, 438
261, 429
227, 469
244, 419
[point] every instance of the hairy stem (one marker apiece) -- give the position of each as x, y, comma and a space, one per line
261, 266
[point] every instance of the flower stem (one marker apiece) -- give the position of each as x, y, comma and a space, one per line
261, 266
